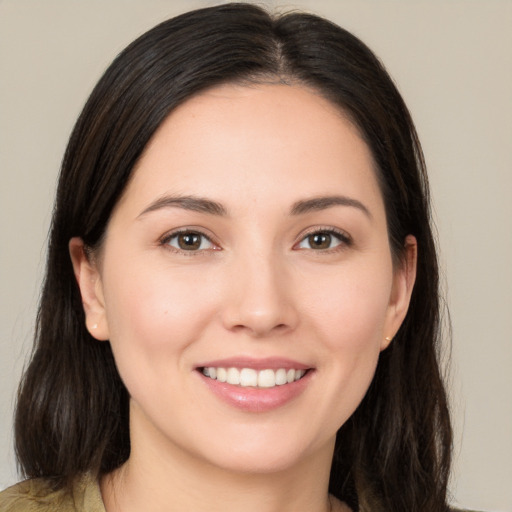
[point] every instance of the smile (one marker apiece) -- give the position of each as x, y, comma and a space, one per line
256, 385
249, 377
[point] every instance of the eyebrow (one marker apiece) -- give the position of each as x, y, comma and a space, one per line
203, 205
192, 203
322, 203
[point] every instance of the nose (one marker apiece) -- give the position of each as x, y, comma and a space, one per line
260, 301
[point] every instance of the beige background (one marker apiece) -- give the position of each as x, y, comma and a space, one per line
452, 61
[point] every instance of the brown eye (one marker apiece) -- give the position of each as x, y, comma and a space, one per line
189, 241
324, 240
319, 241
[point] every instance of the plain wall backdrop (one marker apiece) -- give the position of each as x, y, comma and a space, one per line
452, 61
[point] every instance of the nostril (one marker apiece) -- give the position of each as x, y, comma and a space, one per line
259, 315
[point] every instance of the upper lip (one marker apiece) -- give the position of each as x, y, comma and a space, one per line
266, 363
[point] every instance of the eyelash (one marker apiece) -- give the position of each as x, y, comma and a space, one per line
166, 239
343, 238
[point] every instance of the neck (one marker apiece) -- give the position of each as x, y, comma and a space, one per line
162, 477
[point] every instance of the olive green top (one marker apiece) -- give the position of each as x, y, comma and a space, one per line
38, 496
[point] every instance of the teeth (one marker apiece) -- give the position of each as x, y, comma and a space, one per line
248, 377
266, 379
222, 374
281, 377
233, 376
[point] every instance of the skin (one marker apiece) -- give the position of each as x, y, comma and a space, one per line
258, 288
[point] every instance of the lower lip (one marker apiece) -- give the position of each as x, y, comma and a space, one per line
252, 399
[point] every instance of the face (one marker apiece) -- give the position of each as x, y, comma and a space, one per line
246, 282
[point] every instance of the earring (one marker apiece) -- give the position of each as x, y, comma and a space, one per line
388, 339
95, 326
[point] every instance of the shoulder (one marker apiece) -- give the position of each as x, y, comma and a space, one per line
38, 495
35, 495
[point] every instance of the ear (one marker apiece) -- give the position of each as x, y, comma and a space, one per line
91, 289
404, 277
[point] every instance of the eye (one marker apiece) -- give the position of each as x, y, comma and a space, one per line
191, 241
325, 239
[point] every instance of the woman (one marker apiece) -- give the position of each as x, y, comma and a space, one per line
241, 299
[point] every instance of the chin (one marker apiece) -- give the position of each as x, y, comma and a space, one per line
266, 454
261, 463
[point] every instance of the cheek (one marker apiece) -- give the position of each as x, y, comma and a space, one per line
348, 321
350, 306
155, 312
154, 318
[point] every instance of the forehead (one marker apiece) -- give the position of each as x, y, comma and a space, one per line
259, 142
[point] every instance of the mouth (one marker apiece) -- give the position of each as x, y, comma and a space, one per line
253, 378
256, 385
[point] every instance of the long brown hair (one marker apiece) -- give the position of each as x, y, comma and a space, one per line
72, 411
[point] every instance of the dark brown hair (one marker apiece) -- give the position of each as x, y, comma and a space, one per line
72, 414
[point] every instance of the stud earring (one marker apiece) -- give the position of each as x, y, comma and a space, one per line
95, 326
388, 339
